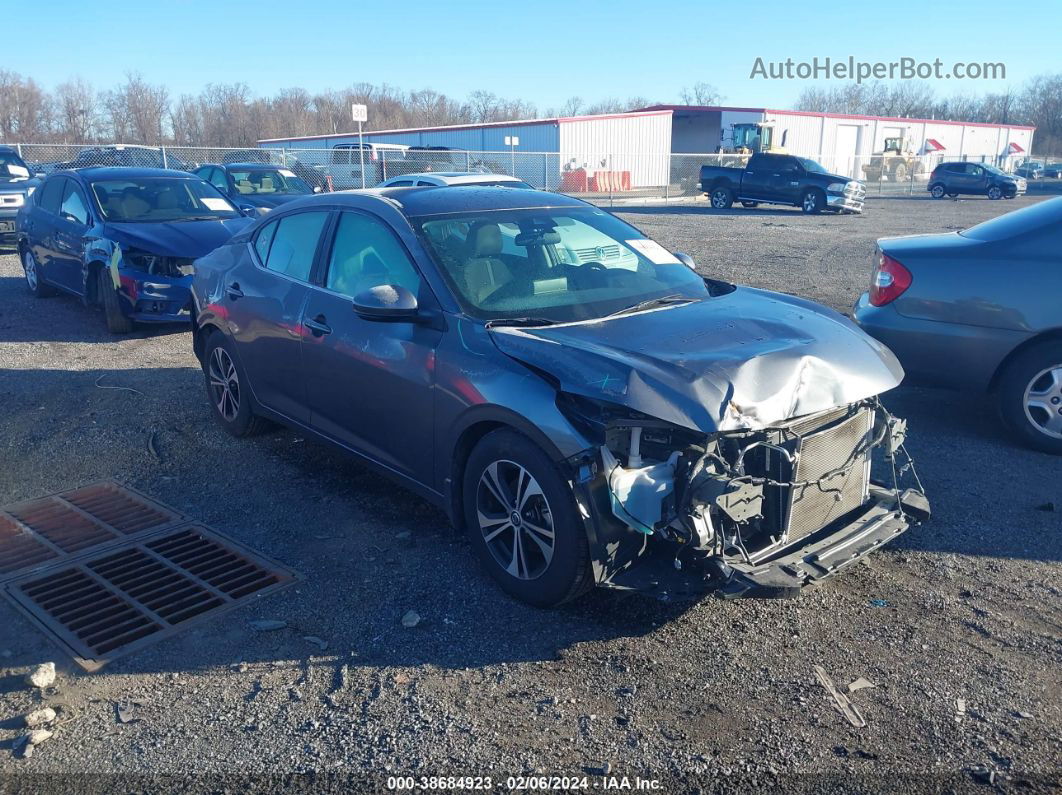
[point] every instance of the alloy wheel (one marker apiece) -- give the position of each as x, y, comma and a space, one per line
719, 200
29, 264
224, 384
810, 202
515, 520
1043, 401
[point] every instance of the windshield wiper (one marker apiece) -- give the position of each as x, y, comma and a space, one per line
519, 321
665, 300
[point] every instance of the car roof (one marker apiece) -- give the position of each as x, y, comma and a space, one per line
247, 166
459, 177
128, 172
439, 199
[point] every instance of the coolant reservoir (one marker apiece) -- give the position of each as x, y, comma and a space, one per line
637, 494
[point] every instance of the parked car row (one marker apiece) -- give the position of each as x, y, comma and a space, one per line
537, 367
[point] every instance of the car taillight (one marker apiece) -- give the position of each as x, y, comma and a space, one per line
888, 281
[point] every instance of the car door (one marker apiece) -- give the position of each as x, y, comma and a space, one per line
40, 228
783, 185
977, 178
755, 181
263, 300
68, 247
370, 383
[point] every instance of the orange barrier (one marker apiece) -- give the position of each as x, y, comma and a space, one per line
610, 181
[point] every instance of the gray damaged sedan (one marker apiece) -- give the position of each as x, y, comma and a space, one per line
592, 410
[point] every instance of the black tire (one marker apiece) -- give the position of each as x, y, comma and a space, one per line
566, 574
812, 202
239, 417
899, 174
937, 191
117, 323
722, 198
1028, 376
750, 205
34, 282
995, 193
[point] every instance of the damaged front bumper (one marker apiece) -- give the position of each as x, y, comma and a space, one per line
149, 298
755, 513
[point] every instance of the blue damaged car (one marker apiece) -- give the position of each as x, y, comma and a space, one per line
123, 239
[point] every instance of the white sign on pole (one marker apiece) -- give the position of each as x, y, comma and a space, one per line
360, 112
512, 140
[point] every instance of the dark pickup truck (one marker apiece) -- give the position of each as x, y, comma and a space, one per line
771, 178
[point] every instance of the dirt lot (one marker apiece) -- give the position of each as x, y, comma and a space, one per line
716, 695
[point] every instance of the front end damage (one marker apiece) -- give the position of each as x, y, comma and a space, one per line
151, 288
745, 512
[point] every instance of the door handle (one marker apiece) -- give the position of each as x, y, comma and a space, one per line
318, 327
234, 291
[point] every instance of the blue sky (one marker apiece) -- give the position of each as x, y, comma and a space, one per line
543, 51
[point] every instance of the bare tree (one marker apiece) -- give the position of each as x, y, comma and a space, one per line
701, 94
76, 112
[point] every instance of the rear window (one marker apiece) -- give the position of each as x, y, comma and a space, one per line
1036, 217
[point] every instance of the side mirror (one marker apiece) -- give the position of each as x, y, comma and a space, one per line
686, 260
387, 303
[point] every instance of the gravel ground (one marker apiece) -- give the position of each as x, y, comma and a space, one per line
717, 695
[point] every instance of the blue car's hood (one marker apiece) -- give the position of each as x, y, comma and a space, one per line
181, 239
747, 359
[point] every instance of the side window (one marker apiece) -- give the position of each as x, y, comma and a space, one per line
977, 171
758, 163
403, 183
341, 154
294, 244
423, 182
219, 180
74, 207
367, 254
263, 240
52, 195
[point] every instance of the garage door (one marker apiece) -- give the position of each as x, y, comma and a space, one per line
847, 148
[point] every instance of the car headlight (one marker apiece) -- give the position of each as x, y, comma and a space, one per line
837, 187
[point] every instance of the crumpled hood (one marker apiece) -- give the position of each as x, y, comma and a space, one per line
744, 360
179, 239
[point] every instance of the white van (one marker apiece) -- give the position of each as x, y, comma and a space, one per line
382, 161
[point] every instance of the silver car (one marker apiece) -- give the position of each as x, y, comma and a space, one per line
980, 311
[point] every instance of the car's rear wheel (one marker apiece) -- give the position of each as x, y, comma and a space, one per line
812, 202
117, 323
226, 386
937, 192
523, 521
1030, 397
722, 198
34, 281
995, 192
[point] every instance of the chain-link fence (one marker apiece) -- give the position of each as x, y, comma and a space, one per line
613, 178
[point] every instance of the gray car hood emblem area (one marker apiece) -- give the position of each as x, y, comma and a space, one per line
745, 360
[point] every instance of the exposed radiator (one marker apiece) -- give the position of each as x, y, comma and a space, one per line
841, 445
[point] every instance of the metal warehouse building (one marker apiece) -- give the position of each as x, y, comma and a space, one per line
842, 141
636, 147
638, 143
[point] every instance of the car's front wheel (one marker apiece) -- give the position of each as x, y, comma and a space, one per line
995, 192
523, 521
812, 202
117, 322
34, 281
226, 386
937, 191
1030, 397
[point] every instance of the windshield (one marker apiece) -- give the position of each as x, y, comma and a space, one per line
160, 199
994, 170
812, 166
271, 181
11, 165
554, 264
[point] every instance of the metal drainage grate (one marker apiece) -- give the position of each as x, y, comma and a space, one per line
72, 522
111, 603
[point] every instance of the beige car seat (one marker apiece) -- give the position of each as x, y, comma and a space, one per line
485, 271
